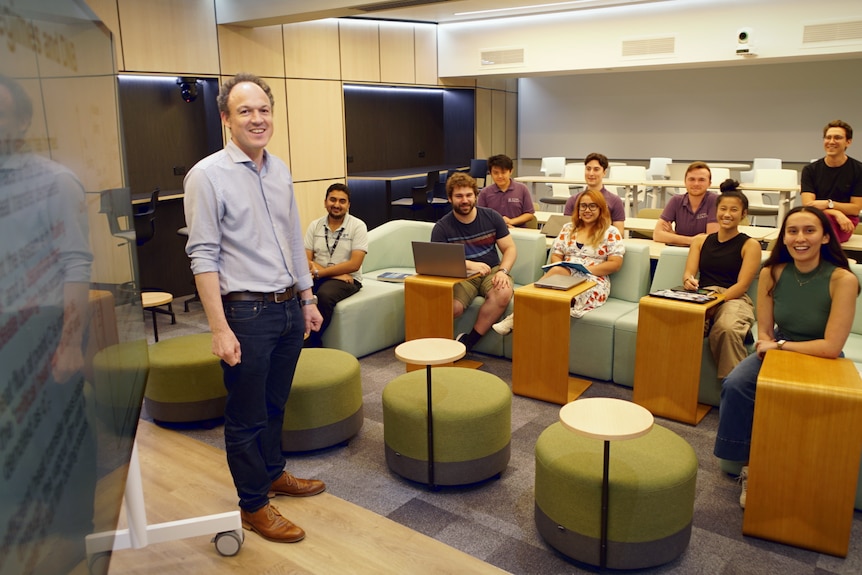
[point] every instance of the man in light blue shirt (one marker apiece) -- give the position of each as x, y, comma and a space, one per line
247, 255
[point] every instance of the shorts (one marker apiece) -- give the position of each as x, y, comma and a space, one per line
466, 291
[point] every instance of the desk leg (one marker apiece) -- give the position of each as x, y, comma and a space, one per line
603, 551
388, 200
430, 432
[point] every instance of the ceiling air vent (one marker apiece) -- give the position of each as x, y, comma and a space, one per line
502, 57
836, 31
394, 4
649, 47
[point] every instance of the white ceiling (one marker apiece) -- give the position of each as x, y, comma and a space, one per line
270, 12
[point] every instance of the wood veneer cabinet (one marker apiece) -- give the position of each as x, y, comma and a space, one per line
257, 50
169, 36
311, 50
397, 62
360, 51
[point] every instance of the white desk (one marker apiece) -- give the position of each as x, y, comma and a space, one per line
607, 419
632, 189
759, 233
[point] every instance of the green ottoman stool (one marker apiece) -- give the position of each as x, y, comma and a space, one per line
472, 425
186, 381
325, 403
651, 496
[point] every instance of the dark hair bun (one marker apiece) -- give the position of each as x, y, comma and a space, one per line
729, 185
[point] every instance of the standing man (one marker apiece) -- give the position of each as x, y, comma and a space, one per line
692, 213
245, 245
509, 198
595, 168
834, 182
482, 231
335, 246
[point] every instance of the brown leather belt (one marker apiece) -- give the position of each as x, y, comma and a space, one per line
276, 297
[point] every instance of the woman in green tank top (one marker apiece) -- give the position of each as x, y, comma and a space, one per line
806, 300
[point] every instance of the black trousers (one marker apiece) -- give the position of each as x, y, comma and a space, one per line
329, 292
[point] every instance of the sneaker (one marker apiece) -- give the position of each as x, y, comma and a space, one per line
743, 479
505, 325
462, 337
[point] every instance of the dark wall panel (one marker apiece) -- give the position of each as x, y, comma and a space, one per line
163, 135
395, 128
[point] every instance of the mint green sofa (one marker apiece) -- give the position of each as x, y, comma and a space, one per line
373, 318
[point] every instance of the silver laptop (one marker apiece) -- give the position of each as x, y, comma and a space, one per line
554, 225
440, 259
561, 282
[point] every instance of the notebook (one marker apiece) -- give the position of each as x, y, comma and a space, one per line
440, 259
554, 225
560, 282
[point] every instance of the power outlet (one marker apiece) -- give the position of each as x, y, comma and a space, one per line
180, 170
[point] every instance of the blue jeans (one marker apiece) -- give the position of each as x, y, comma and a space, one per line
736, 412
270, 337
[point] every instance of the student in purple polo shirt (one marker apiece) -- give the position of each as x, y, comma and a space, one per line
595, 168
509, 198
691, 214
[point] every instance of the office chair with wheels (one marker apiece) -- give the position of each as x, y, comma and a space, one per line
421, 197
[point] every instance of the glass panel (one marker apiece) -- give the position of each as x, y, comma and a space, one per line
73, 353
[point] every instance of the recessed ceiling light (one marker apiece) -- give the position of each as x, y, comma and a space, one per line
530, 7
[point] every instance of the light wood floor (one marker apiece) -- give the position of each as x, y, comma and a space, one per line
185, 478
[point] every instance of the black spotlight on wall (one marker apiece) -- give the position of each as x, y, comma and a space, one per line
188, 89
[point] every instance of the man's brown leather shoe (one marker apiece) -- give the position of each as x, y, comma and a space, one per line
270, 524
287, 484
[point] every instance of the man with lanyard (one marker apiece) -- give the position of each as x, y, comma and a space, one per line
335, 246
834, 182
595, 167
692, 213
245, 245
509, 198
482, 231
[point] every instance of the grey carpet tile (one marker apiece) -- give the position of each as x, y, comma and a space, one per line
494, 520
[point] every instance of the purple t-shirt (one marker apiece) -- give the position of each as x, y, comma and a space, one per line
688, 223
615, 205
512, 203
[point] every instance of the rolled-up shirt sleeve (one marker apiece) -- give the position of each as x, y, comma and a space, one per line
202, 211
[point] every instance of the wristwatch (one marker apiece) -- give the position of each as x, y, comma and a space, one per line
780, 343
504, 270
830, 204
312, 301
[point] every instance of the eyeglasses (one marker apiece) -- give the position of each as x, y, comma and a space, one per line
590, 207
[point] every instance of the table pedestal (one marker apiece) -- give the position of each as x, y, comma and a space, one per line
540, 355
805, 451
428, 352
668, 357
428, 311
607, 419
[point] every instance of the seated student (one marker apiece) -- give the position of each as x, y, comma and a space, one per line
834, 182
335, 246
806, 300
595, 168
509, 198
482, 231
727, 261
691, 213
591, 240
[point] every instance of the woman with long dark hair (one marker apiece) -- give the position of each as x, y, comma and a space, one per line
806, 300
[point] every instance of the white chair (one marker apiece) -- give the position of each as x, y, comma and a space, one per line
747, 177
574, 170
719, 175
560, 194
762, 203
553, 167
657, 170
634, 174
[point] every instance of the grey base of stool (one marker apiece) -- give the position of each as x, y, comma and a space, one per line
449, 473
620, 555
326, 436
183, 412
